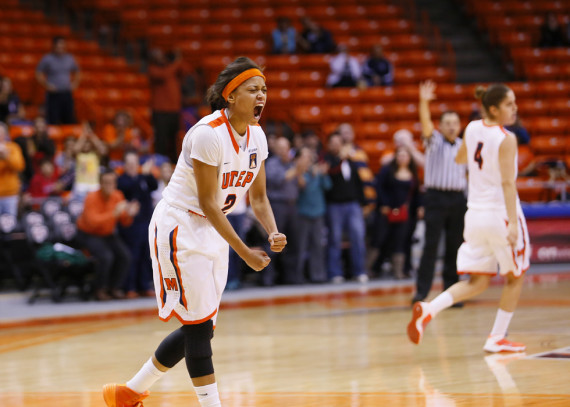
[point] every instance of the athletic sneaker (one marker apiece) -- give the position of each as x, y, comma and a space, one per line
420, 318
498, 343
119, 395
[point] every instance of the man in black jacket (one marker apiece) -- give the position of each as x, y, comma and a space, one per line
138, 186
344, 212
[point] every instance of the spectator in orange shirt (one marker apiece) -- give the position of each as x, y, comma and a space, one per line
121, 136
165, 84
11, 164
97, 232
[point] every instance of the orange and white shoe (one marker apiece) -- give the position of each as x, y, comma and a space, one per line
119, 395
495, 344
420, 318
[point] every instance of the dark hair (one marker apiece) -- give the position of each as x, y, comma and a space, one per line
333, 134
448, 112
106, 171
56, 39
214, 95
393, 165
492, 96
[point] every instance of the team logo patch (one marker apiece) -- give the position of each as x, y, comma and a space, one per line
253, 160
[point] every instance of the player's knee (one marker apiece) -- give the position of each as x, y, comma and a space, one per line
479, 283
199, 349
197, 339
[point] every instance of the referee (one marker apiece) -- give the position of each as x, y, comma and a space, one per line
445, 201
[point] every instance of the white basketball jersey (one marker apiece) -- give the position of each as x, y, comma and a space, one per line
485, 189
237, 166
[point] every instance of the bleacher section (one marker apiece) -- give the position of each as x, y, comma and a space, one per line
107, 84
211, 33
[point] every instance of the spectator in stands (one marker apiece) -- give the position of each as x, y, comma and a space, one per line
315, 39
165, 84
59, 74
121, 136
344, 211
165, 174
551, 34
445, 203
311, 206
284, 37
312, 141
282, 190
89, 151
138, 187
11, 164
345, 70
404, 138
35, 148
11, 110
523, 137
237, 219
359, 158
97, 232
377, 70
65, 161
398, 196
45, 182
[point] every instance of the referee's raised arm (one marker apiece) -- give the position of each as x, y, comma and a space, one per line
427, 94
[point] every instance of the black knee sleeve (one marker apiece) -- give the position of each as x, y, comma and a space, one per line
171, 350
198, 349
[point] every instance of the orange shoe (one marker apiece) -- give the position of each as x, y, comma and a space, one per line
420, 318
119, 395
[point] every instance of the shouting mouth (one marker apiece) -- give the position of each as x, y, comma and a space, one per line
257, 111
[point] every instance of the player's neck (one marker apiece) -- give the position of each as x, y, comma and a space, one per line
238, 125
490, 122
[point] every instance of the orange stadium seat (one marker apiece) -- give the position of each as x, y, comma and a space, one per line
164, 16
372, 112
308, 115
378, 95
279, 79
341, 113
310, 78
195, 15
343, 95
543, 71
548, 125
553, 89
557, 145
523, 89
314, 96
525, 156
559, 107
226, 14
533, 107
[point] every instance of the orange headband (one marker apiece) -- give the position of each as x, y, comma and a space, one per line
238, 80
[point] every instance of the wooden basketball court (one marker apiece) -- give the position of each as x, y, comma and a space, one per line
340, 350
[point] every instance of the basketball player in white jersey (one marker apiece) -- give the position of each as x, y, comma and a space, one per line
495, 229
222, 158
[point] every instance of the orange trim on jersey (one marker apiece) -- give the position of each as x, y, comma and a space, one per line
197, 214
184, 322
238, 80
487, 273
234, 142
174, 260
216, 122
162, 292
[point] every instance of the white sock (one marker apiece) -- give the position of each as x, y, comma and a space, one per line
208, 395
439, 303
145, 377
502, 321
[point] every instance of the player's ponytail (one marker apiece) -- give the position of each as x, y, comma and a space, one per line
492, 96
214, 95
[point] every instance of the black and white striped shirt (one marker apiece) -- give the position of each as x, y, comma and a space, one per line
441, 171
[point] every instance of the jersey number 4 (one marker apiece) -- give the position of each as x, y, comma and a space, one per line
478, 157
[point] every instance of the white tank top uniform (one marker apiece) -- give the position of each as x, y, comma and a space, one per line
485, 234
189, 257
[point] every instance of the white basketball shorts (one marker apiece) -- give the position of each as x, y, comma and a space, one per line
486, 246
189, 263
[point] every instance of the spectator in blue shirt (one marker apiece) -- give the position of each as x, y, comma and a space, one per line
523, 137
284, 37
311, 206
377, 70
138, 187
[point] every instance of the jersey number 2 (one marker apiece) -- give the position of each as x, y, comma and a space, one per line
230, 201
478, 157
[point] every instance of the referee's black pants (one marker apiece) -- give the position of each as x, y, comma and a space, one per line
444, 211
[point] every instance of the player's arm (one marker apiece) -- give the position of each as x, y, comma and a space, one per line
461, 157
507, 154
206, 181
263, 212
427, 93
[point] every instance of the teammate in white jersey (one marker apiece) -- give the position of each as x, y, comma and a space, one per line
495, 229
222, 158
